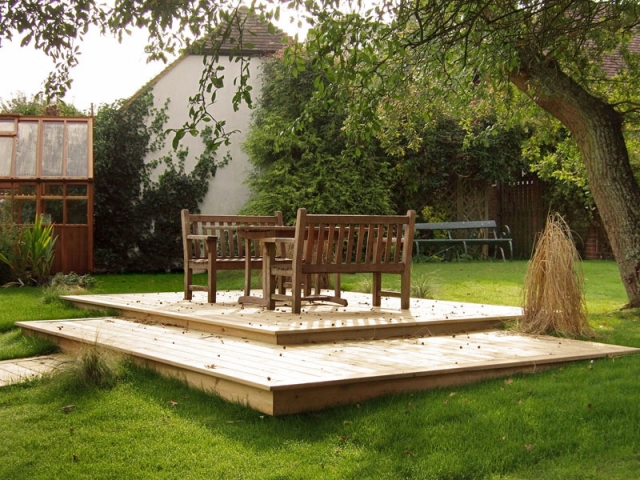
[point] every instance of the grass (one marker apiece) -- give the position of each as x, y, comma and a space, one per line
15, 345
576, 422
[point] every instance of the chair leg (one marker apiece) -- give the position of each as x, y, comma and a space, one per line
307, 285
296, 292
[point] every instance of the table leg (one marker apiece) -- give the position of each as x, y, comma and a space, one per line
247, 274
268, 280
268, 254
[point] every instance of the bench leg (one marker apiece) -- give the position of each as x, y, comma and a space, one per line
188, 281
377, 287
405, 289
211, 282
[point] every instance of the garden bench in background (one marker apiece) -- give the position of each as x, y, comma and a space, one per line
482, 232
339, 244
211, 243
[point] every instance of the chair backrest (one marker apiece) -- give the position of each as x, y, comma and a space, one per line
353, 243
230, 246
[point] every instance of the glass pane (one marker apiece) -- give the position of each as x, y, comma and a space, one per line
54, 209
77, 149
54, 190
29, 190
77, 212
26, 210
27, 149
6, 154
7, 125
77, 190
5, 191
52, 153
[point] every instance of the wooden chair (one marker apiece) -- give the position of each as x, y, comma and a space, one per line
339, 244
210, 243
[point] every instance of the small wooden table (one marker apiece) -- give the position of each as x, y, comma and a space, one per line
257, 233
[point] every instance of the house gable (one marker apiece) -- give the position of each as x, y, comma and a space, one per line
259, 39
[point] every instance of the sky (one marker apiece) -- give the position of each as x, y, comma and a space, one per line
108, 70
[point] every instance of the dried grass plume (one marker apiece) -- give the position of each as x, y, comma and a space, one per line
554, 285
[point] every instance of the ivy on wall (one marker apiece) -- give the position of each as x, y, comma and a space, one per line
137, 219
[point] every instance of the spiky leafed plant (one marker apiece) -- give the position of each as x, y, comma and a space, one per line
32, 253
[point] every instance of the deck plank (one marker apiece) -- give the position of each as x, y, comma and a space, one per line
18, 370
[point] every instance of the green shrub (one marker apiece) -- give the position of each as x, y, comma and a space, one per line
69, 284
295, 163
73, 280
9, 235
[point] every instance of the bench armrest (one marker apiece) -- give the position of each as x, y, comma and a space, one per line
201, 237
505, 231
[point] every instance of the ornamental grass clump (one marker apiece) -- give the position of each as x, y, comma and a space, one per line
553, 287
97, 367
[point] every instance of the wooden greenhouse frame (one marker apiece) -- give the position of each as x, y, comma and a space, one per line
46, 168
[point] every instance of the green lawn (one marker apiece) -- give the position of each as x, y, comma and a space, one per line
577, 422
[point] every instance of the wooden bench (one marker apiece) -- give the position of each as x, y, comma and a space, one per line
339, 244
482, 232
210, 243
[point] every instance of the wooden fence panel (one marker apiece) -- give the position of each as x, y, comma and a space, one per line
522, 208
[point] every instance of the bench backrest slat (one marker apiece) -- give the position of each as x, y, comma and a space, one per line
456, 225
345, 241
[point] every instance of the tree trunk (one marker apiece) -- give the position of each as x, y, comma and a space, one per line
597, 129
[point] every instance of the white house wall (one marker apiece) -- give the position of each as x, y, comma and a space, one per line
227, 191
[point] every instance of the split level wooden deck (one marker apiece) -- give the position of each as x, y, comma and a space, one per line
280, 363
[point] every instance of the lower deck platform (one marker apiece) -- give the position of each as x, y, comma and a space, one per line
292, 378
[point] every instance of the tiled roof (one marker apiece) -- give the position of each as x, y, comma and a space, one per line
258, 38
614, 62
